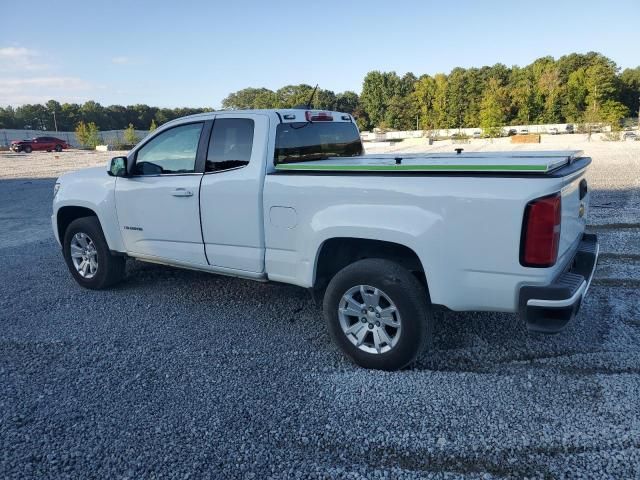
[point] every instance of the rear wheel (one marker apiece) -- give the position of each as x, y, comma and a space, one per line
27, 149
58, 148
378, 313
88, 257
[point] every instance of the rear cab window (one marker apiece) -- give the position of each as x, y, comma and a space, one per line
309, 141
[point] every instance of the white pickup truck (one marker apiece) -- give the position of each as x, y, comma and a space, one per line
288, 196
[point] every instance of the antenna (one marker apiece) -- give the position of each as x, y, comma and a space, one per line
311, 97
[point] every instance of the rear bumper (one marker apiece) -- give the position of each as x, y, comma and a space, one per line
548, 309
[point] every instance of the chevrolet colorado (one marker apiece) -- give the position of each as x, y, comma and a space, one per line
288, 196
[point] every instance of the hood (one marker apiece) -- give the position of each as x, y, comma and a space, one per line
13, 142
85, 174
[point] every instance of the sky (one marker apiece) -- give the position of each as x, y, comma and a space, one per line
194, 53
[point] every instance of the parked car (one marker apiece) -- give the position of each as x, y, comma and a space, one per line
553, 131
380, 241
629, 135
39, 143
569, 128
524, 131
512, 132
477, 134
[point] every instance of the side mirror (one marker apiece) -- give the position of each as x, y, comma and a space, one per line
118, 167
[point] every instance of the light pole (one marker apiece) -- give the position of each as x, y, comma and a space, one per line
55, 124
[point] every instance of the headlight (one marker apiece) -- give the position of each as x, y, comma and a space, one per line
56, 187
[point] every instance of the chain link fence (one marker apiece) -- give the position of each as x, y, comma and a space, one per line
108, 137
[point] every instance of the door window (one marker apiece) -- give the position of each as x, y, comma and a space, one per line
172, 151
230, 144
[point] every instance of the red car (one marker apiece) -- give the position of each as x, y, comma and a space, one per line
39, 143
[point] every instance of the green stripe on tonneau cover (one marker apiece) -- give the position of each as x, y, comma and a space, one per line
391, 168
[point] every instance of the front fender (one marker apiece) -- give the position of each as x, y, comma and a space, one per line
93, 189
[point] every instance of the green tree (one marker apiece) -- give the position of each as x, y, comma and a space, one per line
69, 116
493, 107
521, 95
378, 89
630, 89
87, 134
8, 117
347, 102
612, 113
440, 102
291, 96
601, 85
456, 105
401, 113
249, 98
130, 135
576, 96
549, 88
424, 95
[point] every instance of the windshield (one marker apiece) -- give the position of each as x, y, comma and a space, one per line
304, 141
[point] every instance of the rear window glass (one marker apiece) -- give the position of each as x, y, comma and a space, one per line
303, 142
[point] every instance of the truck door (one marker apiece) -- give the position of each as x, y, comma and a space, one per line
231, 192
157, 205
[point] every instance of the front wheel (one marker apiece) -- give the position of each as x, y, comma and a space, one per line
88, 257
378, 313
27, 149
58, 148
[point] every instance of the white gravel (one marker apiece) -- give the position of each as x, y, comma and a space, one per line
180, 374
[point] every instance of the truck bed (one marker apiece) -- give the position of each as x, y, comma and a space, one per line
522, 162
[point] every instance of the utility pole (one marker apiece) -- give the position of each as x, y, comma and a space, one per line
55, 124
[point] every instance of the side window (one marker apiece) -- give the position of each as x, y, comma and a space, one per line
172, 151
230, 144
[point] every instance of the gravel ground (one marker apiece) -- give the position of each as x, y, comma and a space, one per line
182, 374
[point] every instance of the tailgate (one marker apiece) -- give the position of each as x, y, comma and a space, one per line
575, 204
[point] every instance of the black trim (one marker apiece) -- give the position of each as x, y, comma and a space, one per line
583, 188
204, 245
561, 172
203, 146
565, 285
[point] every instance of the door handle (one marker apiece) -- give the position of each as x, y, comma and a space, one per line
182, 192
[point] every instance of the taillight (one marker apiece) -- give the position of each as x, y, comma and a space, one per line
312, 116
541, 232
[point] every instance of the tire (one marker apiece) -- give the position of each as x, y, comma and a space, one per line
85, 234
27, 149
58, 148
396, 287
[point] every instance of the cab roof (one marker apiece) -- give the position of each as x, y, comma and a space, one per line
286, 115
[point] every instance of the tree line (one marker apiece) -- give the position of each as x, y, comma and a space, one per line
576, 88
67, 116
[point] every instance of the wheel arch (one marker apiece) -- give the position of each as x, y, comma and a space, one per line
68, 214
336, 253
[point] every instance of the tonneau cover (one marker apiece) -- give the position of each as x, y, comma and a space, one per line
519, 161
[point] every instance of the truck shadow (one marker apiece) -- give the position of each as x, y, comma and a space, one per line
484, 342
479, 342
